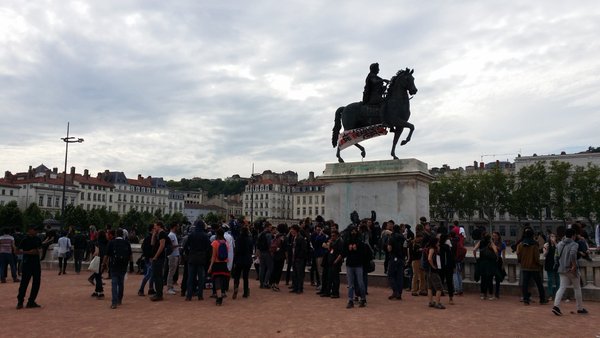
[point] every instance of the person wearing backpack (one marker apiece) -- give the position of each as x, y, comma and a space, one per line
197, 250
119, 253
218, 264
566, 256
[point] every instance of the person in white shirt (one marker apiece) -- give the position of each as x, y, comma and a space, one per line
173, 259
64, 249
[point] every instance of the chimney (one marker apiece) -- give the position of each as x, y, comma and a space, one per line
55, 170
7, 174
498, 164
481, 165
475, 164
86, 173
72, 170
311, 175
30, 172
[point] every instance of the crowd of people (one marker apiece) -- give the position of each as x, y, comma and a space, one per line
428, 262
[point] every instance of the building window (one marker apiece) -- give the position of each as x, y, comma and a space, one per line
3, 192
303, 199
303, 211
513, 231
49, 201
82, 196
309, 199
57, 202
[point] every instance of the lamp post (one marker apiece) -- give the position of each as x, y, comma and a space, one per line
68, 139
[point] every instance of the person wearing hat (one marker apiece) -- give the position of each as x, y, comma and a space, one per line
30, 247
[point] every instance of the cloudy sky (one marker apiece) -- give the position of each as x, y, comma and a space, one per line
206, 88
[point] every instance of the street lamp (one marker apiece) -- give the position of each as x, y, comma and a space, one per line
67, 140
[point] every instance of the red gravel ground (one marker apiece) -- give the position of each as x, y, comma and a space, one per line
69, 311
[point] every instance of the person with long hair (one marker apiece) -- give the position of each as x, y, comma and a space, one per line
242, 261
218, 264
549, 257
487, 265
501, 252
100, 251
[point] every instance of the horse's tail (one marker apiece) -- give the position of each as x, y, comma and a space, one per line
337, 126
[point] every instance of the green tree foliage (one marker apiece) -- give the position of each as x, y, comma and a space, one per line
33, 215
11, 216
584, 194
76, 217
558, 181
212, 218
493, 189
532, 191
212, 187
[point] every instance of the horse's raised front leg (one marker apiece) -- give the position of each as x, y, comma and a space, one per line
397, 134
412, 128
363, 152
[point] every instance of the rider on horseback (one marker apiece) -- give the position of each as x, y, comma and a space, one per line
374, 87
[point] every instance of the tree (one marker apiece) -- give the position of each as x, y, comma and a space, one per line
584, 198
533, 191
212, 218
558, 181
11, 216
33, 215
76, 217
493, 189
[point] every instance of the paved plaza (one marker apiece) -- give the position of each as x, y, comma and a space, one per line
69, 311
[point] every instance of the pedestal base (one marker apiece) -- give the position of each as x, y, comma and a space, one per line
396, 189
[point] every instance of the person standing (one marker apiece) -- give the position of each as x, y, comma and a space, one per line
528, 255
396, 263
549, 257
263, 244
354, 252
79, 248
197, 249
242, 261
30, 247
218, 264
119, 253
147, 253
335, 248
278, 250
48, 240
173, 259
7, 251
299, 256
64, 249
566, 254
158, 242
433, 265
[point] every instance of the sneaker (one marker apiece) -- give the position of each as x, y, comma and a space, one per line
19, 306
32, 305
171, 292
582, 312
543, 302
556, 311
113, 306
335, 296
491, 298
416, 294
219, 301
451, 301
141, 293
151, 292
100, 296
482, 296
362, 303
350, 305
439, 306
95, 294
16, 280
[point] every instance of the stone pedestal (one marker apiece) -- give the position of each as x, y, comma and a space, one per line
395, 189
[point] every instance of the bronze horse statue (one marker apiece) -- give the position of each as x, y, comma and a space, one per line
393, 113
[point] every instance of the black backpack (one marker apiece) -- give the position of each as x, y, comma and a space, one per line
120, 254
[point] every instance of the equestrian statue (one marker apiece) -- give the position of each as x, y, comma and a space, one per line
385, 105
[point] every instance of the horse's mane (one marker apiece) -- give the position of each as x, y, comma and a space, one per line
394, 78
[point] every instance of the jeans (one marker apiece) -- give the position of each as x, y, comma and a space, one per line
147, 275
5, 260
157, 276
395, 274
565, 280
195, 280
457, 277
537, 278
62, 264
118, 285
173, 266
31, 270
553, 282
354, 274
334, 280
266, 267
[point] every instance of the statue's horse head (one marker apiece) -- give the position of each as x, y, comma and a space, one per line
403, 81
